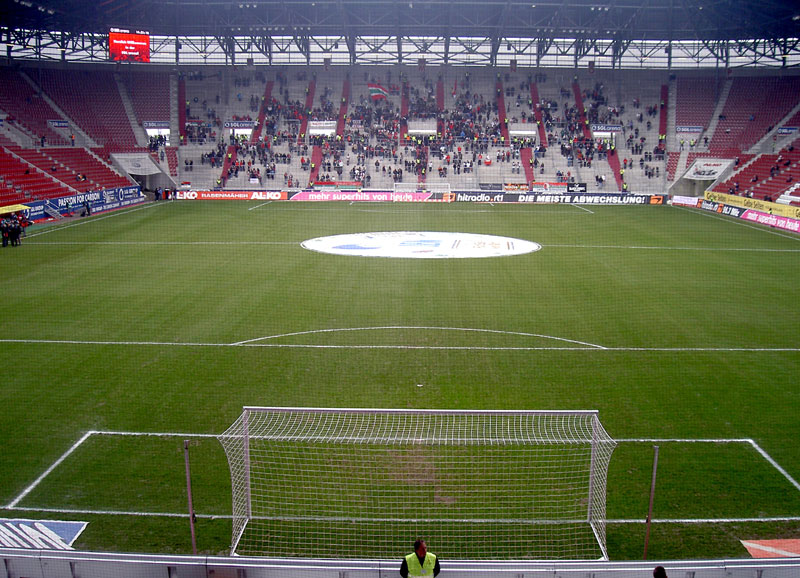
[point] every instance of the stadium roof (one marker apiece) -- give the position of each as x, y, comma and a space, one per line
630, 19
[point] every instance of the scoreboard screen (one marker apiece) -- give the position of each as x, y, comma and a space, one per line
128, 45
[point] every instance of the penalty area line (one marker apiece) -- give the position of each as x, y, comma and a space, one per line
13, 505
119, 513
46, 473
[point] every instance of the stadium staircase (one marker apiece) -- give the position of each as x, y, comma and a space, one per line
663, 109
613, 154
501, 112
262, 112
714, 121
138, 132
182, 110
174, 108
343, 109
440, 127
537, 114
316, 163
230, 159
613, 162
525, 156
312, 85
404, 106
172, 160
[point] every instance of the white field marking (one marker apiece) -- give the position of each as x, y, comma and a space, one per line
588, 347
644, 247
582, 208
167, 243
295, 243
423, 328
684, 440
775, 464
78, 511
100, 432
53, 466
749, 441
93, 220
13, 504
770, 549
257, 206
741, 223
707, 520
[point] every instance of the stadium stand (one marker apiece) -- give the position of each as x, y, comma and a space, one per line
28, 108
100, 112
697, 98
149, 93
22, 180
469, 111
754, 106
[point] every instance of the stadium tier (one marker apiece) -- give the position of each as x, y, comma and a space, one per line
471, 128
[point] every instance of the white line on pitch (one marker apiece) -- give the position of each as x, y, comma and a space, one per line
739, 222
257, 206
707, 520
411, 347
775, 464
150, 434
79, 511
419, 328
644, 247
167, 243
13, 505
53, 466
684, 440
748, 441
93, 220
582, 208
117, 513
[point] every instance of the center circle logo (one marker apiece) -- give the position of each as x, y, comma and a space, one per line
421, 245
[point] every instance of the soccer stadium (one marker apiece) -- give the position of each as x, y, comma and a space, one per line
290, 285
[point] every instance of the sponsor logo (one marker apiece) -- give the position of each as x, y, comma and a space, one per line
239, 123
39, 534
685, 128
606, 128
420, 245
707, 170
189, 195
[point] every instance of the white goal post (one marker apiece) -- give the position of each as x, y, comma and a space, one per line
364, 483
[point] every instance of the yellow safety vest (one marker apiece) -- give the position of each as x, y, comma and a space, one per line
414, 568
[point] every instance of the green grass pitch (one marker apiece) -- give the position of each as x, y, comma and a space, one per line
170, 317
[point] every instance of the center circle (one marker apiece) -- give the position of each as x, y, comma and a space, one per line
420, 245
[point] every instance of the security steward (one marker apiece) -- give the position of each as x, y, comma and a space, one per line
420, 562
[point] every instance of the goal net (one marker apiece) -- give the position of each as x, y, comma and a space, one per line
439, 187
358, 483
